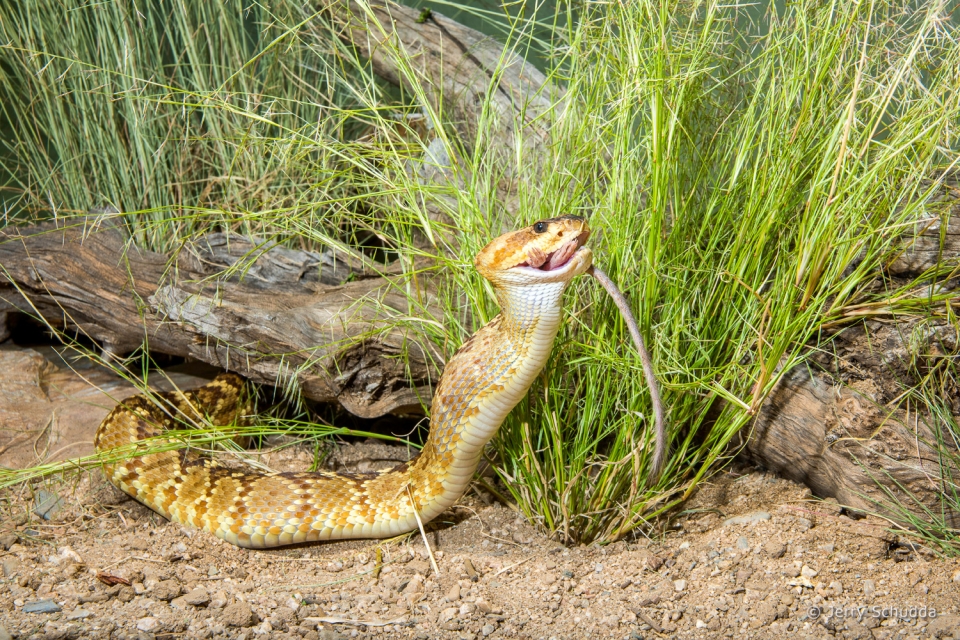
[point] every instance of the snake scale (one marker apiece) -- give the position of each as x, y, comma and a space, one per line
529, 270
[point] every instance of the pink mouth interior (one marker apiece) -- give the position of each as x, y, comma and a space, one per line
556, 259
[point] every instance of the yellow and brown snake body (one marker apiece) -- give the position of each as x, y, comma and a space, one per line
529, 270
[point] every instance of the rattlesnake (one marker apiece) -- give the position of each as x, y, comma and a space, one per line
529, 270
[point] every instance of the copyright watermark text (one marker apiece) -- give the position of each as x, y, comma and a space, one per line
874, 611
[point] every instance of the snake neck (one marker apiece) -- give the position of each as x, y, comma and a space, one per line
483, 381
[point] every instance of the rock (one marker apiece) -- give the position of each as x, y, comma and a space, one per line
283, 618
447, 614
452, 625
956, 576
774, 550
197, 598
827, 548
610, 622
801, 581
486, 608
219, 600
742, 543
467, 609
944, 627
453, 594
66, 553
79, 614
4, 634
93, 597
47, 504
239, 614
869, 588
652, 561
764, 614
415, 586
41, 606
807, 572
166, 590
756, 516
263, 629
856, 631
7, 540
836, 587
679, 585
148, 624
10, 566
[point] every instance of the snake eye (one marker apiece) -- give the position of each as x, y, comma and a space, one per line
540, 227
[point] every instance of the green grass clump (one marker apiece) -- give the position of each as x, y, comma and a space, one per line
746, 174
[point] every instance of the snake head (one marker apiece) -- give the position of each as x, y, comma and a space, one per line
547, 251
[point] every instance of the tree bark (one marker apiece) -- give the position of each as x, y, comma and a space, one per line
458, 68
291, 319
842, 426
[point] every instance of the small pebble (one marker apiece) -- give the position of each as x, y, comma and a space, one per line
756, 516
10, 566
471, 570
487, 629
679, 585
79, 614
453, 594
743, 543
47, 504
41, 606
148, 624
198, 597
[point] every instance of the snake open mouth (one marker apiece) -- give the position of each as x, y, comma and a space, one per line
555, 260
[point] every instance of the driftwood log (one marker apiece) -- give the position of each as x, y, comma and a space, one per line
330, 326
291, 319
841, 425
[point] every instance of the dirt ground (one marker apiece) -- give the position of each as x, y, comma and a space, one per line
751, 556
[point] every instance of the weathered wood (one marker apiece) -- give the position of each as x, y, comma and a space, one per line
471, 80
266, 264
843, 432
935, 240
459, 69
276, 325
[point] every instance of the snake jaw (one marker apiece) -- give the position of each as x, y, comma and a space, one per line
548, 251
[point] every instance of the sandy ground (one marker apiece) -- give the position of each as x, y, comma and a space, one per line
751, 556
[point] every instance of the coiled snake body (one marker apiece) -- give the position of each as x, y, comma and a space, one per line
529, 270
